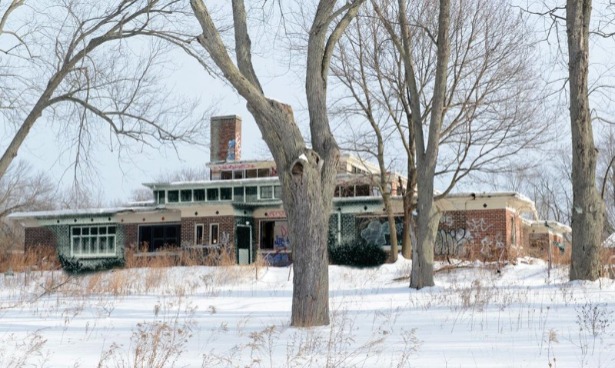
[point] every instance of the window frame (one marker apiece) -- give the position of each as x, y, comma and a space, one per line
214, 240
196, 233
93, 235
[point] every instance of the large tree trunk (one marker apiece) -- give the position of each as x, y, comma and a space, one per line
307, 175
427, 227
308, 220
426, 158
587, 209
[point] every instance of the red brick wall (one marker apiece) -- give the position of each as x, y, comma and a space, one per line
131, 235
222, 130
37, 237
226, 225
479, 234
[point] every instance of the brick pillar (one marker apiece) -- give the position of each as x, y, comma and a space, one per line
225, 138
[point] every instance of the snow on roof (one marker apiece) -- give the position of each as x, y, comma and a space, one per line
81, 212
490, 195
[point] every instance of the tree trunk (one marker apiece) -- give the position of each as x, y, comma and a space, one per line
308, 221
587, 208
427, 227
426, 158
406, 243
392, 227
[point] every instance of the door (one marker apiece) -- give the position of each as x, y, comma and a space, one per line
244, 244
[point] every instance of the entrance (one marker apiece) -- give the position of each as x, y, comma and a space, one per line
244, 244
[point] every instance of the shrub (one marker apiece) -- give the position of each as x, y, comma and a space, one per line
357, 253
76, 266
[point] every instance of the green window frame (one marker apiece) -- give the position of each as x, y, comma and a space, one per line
94, 241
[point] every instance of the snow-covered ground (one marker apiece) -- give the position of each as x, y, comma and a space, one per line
239, 317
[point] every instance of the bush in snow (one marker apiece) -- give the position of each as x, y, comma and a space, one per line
357, 253
74, 265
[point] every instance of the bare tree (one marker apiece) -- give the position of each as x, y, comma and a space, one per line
21, 190
94, 70
307, 175
492, 106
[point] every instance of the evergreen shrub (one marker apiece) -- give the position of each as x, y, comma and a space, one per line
77, 266
357, 253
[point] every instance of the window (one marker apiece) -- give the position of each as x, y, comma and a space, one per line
263, 173
213, 234
226, 175
157, 237
277, 192
93, 241
186, 195
199, 195
226, 194
251, 194
159, 196
252, 173
173, 196
212, 194
238, 194
238, 174
266, 192
362, 191
199, 229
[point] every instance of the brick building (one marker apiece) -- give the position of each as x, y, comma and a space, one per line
239, 209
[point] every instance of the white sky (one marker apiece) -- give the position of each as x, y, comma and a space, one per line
116, 178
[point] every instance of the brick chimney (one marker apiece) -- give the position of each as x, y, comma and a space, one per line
225, 138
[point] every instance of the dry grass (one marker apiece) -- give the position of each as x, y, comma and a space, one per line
37, 258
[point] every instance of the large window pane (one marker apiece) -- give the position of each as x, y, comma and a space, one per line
160, 197
266, 192
173, 196
277, 192
251, 194
212, 194
199, 195
238, 194
93, 241
226, 194
186, 195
